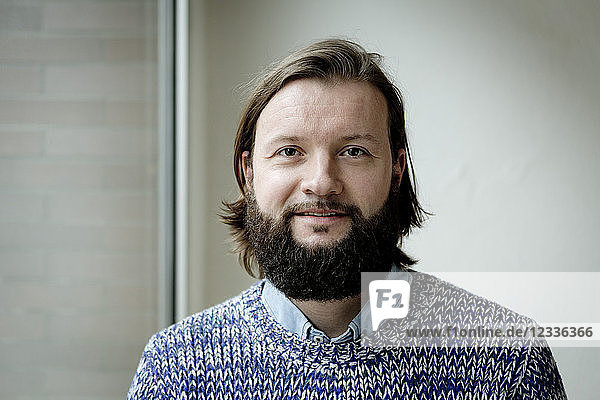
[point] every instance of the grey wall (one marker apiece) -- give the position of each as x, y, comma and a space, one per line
502, 107
77, 196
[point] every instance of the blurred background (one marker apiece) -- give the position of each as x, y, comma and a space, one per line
117, 121
78, 196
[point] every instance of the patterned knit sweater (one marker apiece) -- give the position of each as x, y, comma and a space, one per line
237, 350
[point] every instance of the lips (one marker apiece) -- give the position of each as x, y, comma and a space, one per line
321, 213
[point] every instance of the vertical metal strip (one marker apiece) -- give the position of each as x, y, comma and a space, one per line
181, 158
165, 175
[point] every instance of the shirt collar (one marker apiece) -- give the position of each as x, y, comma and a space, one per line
287, 314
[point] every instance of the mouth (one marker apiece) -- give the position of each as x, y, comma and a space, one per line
321, 217
321, 213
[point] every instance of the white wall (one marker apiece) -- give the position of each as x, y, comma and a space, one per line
78, 195
502, 112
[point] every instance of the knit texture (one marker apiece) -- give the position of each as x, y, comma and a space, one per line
237, 350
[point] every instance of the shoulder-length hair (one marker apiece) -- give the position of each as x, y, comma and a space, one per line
331, 60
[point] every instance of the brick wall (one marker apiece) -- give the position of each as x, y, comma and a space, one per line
77, 196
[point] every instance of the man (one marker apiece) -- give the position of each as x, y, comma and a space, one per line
320, 158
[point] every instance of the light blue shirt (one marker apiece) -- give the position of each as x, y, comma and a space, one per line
287, 314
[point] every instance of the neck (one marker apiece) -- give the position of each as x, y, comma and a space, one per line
331, 317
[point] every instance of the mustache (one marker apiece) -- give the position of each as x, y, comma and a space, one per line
328, 204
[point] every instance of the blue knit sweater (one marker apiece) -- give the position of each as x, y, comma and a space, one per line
237, 350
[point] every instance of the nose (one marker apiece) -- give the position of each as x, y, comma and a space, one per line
321, 177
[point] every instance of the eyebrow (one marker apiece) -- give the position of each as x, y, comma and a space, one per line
284, 138
348, 138
366, 136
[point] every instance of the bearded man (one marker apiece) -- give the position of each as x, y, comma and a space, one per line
321, 159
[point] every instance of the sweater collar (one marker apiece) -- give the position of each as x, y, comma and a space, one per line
287, 314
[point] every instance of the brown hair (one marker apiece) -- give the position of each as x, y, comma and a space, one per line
329, 60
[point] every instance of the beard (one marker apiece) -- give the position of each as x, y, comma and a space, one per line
327, 272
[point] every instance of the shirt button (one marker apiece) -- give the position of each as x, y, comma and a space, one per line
318, 339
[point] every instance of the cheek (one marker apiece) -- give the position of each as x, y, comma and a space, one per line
369, 190
272, 190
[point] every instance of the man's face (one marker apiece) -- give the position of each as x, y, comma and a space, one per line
317, 142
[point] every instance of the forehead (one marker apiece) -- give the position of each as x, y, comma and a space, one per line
325, 109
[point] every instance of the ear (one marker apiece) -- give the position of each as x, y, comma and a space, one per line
247, 168
399, 166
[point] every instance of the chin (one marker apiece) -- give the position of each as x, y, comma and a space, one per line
320, 240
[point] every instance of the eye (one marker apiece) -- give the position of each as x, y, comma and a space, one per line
288, 152
355, 152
